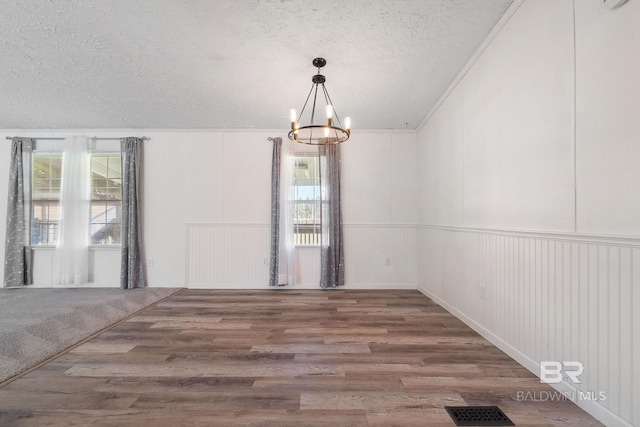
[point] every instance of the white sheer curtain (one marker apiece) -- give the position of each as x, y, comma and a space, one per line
71, 259
287, 249
282, 260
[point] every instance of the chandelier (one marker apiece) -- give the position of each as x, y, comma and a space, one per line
327, 133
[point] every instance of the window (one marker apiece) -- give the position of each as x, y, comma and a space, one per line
305, 197
45, 196
106, 197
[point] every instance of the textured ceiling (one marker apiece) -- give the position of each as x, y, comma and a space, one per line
230, 64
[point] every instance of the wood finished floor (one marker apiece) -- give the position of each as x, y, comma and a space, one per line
282, 358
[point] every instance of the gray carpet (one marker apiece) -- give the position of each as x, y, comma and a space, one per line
36, 324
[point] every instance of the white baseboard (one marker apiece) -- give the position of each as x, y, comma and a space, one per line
313, 286
247, 286
382, 286
167, 285
593, 408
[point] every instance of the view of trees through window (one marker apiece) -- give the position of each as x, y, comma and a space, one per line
106, 198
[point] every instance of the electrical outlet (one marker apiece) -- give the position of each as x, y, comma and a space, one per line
150, 261
264, 261
387, 261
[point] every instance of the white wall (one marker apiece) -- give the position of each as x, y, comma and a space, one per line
201, 178
608, 119
508, 127
220, 180
379, 170
528, 193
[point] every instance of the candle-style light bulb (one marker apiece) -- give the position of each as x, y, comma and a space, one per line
330, 114
347, 123
326, 135
293, 119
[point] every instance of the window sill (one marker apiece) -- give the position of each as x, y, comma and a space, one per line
105, 247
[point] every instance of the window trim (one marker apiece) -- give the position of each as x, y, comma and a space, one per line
49, 149
45, 152
318, 232
105, 153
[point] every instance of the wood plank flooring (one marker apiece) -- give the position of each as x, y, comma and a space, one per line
281, 358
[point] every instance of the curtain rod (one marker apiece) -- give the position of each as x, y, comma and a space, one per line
144, 138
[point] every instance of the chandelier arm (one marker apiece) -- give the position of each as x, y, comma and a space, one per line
305, 103
313, 111
327, 99
330, 102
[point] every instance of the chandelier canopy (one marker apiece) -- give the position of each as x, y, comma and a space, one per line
330, 129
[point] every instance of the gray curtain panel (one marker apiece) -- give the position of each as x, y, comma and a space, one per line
274, 260
132, 266
17, 255
332, 247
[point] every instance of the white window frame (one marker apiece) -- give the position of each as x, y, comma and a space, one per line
99, 147
105, 153
312, 238
48, 201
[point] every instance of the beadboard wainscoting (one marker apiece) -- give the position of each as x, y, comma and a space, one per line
227, 255
381, 256
236, 256
547, 297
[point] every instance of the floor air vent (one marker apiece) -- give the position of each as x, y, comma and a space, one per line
478, 416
